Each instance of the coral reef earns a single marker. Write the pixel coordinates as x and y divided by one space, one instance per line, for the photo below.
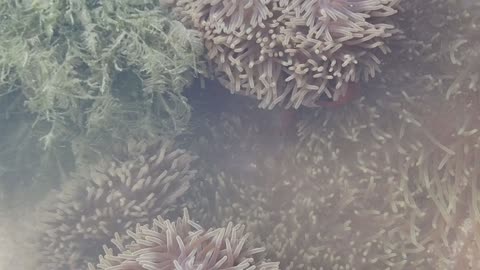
185 245
292 52
142 181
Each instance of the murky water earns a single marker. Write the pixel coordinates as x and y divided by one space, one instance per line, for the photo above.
118 113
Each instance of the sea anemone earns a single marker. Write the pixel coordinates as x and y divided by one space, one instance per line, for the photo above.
389 182
422 132
321 219
185 245
110 197
312 207
292 52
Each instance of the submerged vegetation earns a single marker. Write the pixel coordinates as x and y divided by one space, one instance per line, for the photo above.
389 181
76 76
97 70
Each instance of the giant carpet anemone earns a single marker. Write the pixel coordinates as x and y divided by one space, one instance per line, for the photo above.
292 53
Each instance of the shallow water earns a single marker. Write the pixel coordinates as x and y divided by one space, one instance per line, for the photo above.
388 180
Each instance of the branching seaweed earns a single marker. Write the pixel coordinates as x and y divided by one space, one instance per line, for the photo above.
77 76
100 69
